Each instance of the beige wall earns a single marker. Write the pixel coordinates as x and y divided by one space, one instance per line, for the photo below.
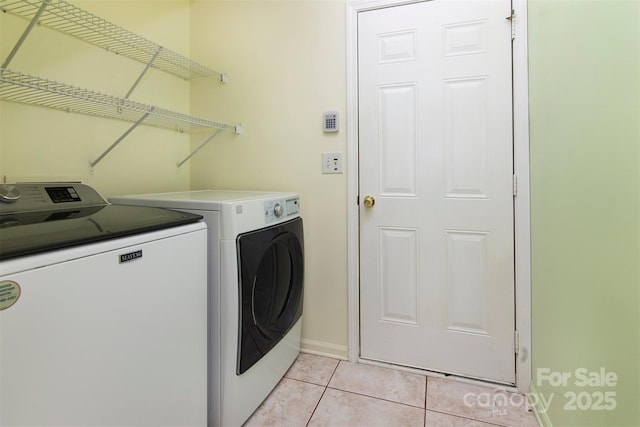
286 61
43 144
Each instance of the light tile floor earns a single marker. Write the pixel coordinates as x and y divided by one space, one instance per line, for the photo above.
320 391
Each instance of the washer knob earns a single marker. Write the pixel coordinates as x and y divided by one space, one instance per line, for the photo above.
277 210
9 193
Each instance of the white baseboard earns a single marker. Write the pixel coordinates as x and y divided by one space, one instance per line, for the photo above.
325 349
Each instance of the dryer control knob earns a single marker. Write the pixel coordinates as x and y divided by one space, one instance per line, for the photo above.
9 193
277 210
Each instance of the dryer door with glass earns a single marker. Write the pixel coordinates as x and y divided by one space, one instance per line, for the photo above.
271 270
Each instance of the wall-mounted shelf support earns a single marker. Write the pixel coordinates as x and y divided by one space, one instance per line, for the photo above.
206 141
124 135
238 129
146 68
25 34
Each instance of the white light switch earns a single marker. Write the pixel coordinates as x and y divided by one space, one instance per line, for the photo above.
331 162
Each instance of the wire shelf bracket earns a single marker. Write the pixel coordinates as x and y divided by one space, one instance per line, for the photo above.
146 68
238 130
25 34
206 141
123 136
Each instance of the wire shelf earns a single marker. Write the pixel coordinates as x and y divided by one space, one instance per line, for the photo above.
29 89
67 18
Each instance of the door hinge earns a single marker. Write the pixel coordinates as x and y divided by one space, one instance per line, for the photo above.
512 20
516 341
515 185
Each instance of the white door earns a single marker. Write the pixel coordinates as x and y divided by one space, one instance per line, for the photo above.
435 154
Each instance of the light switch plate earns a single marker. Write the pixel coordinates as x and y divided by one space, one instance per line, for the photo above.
331 163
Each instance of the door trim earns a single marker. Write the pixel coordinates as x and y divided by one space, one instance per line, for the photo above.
521 169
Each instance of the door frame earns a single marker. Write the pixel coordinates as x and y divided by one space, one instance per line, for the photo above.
521 170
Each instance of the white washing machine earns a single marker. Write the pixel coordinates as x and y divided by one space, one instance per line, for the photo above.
102 311
256 269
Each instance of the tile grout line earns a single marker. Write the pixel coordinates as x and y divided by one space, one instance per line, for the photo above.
466 417
454 414
323 393
458 415
426 389
316 407
376 398
370 396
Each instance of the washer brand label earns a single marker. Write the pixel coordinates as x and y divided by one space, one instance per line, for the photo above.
130 256
9 294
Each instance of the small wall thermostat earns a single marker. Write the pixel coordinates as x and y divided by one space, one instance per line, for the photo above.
330 123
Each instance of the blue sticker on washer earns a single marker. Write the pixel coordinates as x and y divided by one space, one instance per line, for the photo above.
9 294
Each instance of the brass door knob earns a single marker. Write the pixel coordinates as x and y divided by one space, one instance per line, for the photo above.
369 201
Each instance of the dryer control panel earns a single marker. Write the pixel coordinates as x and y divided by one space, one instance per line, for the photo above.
278 210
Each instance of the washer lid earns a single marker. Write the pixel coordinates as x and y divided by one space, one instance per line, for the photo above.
209 200
26 233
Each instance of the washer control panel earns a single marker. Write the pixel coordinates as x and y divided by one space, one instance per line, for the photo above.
9 193
32 197
278 210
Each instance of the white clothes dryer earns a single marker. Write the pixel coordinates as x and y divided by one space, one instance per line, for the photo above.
256 270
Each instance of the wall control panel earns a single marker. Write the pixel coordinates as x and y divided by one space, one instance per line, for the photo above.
330 121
